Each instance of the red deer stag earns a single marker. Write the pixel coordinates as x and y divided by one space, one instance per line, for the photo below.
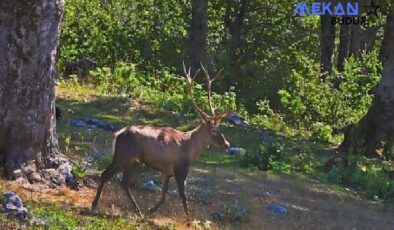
167 150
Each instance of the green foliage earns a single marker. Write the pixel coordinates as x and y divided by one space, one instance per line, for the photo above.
321 131
55 217
388 150
305 162
122 80
272 157
335 174
164 89
78 172
318 102
60 218
266 117
277 158
145 32
364 175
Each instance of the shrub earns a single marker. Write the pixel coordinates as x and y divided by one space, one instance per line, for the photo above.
305 162
338 100
122 79
163 89
364 175
388 150
233 213
78 172
321 131
273 157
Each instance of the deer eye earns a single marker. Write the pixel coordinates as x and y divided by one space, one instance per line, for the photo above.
214 131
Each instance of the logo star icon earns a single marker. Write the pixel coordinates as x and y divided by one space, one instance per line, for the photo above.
372 9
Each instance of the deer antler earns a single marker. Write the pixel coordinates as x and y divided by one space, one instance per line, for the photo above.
190 84
214 116
209 83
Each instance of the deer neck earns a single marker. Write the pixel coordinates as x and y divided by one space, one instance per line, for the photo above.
197 142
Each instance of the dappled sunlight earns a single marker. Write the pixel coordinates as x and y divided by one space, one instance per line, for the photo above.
308 202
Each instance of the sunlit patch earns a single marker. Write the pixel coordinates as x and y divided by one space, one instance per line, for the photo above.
201 170
297 207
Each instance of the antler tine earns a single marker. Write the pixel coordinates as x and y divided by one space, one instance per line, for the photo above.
190 88
209 83
217 74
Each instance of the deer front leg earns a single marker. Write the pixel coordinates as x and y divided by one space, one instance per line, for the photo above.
105 176
165 179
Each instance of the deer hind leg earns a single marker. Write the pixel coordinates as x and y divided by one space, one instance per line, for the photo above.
105 176
165 179
180 180
127 174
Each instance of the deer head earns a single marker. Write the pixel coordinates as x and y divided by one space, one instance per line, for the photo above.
210 122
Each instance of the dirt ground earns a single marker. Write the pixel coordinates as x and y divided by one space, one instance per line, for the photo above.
310 204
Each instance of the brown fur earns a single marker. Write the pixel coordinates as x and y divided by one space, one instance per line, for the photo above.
167 150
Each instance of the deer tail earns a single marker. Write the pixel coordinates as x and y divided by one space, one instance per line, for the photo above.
114 137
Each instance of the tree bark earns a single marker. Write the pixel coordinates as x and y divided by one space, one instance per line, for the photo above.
355 41
29 34
368 38
378 124
389 33
327 44
343 49
198 34
234 18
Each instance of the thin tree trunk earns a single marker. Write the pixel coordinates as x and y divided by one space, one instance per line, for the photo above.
355 41
198 34
29 34
343 49
378 124
327 44
368 38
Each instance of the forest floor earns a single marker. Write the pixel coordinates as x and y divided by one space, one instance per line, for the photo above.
214 181
311 205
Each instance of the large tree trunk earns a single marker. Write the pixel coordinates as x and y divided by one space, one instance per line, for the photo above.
389 34
29 35
378 124
327 44
198 34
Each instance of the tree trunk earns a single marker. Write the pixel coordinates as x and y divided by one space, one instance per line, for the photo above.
29 39
355 41
234 18
389 33
368 38
343 49
378 124
198 34
327 44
